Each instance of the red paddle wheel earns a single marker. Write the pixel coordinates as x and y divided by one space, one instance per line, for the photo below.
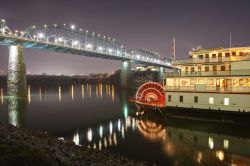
150 94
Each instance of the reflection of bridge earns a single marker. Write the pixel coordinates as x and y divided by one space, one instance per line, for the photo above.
60 38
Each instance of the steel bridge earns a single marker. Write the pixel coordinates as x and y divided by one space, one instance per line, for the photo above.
69 40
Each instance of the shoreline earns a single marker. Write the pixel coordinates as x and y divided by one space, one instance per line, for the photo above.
30 147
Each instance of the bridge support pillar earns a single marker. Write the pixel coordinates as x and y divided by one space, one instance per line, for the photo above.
16 80
160 74
125 74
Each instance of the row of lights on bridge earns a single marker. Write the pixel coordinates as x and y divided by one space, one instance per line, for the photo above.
77 43
73 27
90 46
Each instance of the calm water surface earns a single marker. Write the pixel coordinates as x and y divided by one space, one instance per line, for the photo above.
99 116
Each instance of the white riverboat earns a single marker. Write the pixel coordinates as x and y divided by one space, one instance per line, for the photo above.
212 79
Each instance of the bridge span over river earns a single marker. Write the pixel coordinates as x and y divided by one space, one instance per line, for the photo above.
69 40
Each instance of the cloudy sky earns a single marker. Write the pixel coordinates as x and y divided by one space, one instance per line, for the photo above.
148 24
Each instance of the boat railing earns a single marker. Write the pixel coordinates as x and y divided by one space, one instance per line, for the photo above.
212 60
226 89
243 72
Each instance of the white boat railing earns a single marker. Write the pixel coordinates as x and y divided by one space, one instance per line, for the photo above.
212 60
244 72
228 89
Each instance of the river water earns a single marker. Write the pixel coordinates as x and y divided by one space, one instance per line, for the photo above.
100 117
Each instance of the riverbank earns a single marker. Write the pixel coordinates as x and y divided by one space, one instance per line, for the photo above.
137 78
19 146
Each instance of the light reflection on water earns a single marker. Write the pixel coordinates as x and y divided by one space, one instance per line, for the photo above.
45 94
72 92
176 143
16 111
1 95
100 90
90 91
29 94
76 138
83 92
59 93
40 94
113 92
102 119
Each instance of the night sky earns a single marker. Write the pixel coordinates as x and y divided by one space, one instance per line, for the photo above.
148 24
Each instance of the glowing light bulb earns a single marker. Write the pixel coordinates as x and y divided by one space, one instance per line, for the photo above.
72 27
40 35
